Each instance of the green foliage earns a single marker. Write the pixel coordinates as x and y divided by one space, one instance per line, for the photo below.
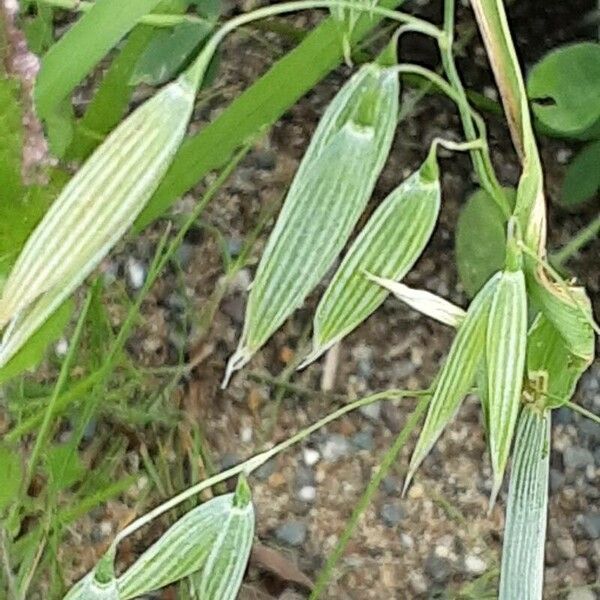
72 58
388 245
11 475
480 240
582 179
332 185
168 51
564 88
256 109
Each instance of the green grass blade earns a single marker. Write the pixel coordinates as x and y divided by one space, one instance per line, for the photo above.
180 551
506 341
328 194
222 576
68 61
256 109
457 374
389 245
522 571
93 212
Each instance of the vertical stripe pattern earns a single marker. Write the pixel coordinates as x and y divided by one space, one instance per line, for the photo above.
457 374
325 200
522 572
94 210
389 245
506 343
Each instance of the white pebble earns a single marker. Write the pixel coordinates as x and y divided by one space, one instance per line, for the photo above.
307 493
136 273
62 347
246 434
475 564
310 456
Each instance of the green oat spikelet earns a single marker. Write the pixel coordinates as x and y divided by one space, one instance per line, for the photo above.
505 353
456 375
389 245
327 196
93 211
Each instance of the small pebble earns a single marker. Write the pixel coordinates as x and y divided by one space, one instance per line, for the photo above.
363 440
392 513
265 471
291 533
581 594
308 493
591 525
310 456
136 273
576 457
336 446
475 564
62 347
246 435
371 411
566 547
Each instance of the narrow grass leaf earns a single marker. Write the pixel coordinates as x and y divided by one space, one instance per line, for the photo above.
505 350
522 571
222 575
92 212
456 375
328 194
389 244
182 549
429 304
68 61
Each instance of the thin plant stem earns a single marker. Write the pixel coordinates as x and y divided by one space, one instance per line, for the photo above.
481 158
4 551
196 72
386 464
584 412
253 463
584 237
62 378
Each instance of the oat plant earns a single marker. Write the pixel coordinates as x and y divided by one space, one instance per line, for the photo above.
521 344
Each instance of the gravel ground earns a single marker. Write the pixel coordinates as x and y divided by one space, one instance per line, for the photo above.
437 539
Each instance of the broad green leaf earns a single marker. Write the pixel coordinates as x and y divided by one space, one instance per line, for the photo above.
456 375
389 245
506 340
92 212
188 546
550 365
11 475
73 57
327 196
480 241
255 109
582 179
167 53
522 571
564 88
431 305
